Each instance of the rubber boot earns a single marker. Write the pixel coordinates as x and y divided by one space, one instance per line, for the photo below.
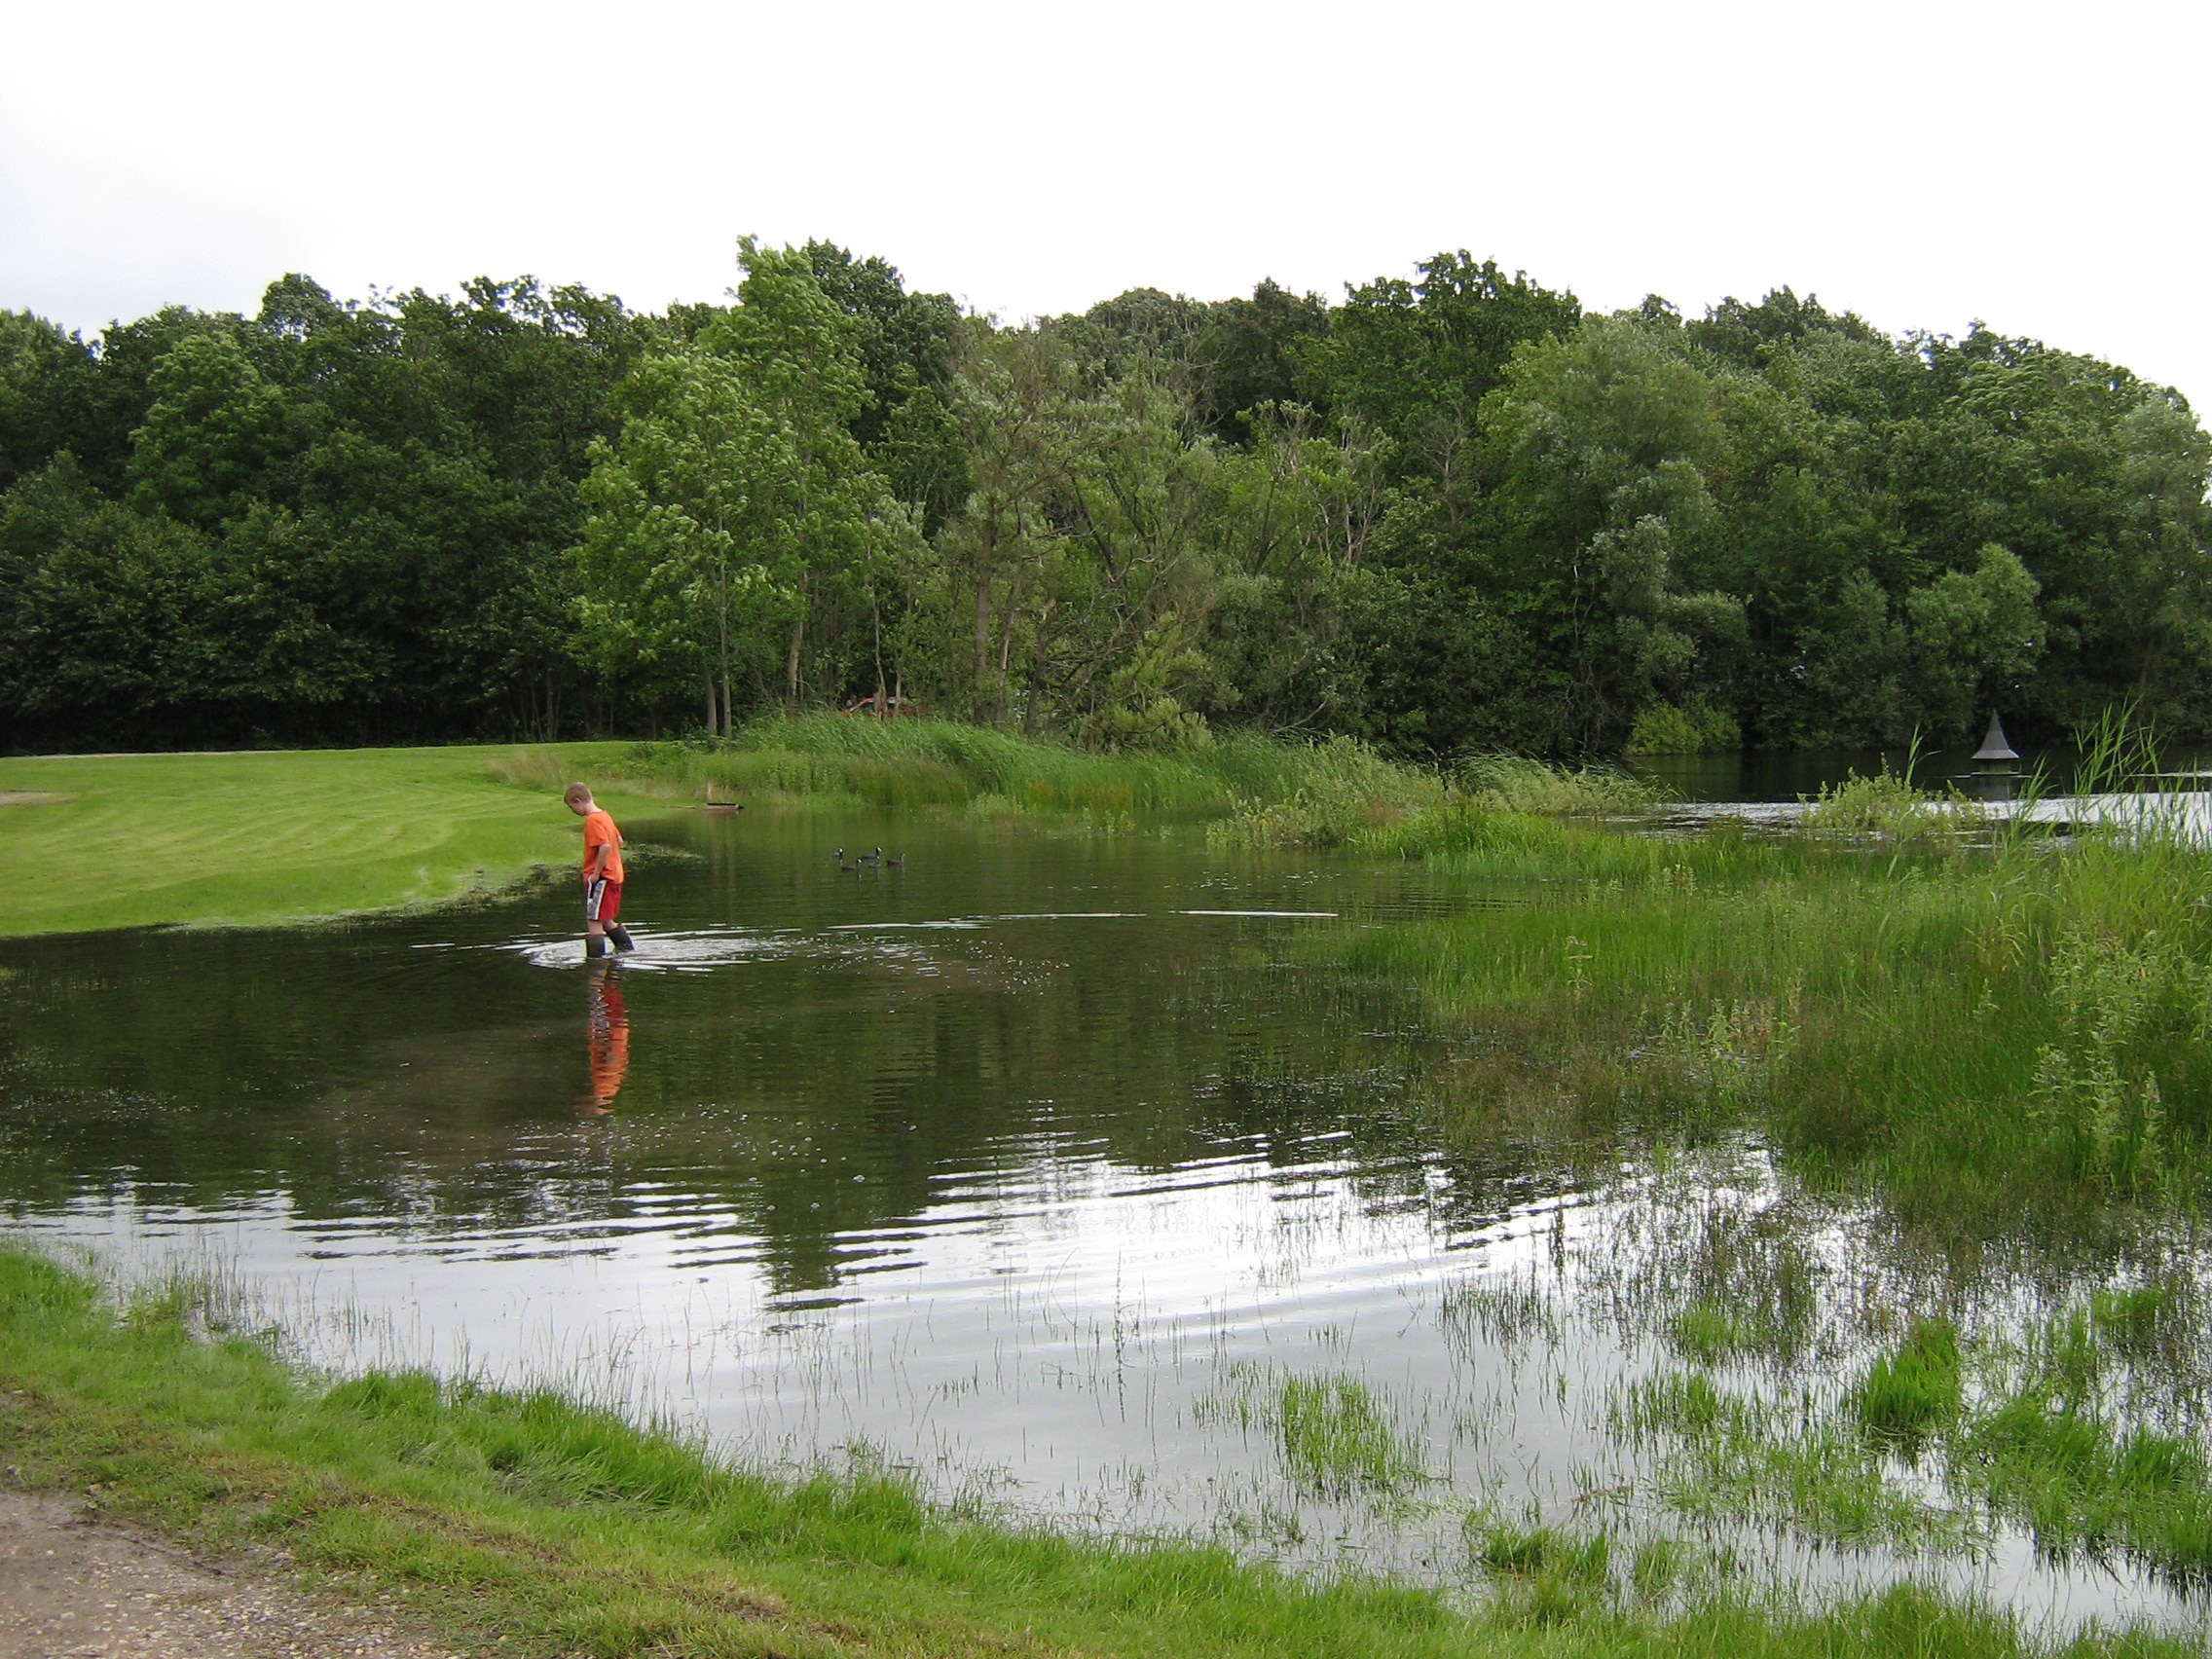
595 946
620 935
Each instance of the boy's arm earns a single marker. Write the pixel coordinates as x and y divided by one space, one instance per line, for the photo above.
599 860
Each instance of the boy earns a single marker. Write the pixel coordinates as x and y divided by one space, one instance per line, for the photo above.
603 875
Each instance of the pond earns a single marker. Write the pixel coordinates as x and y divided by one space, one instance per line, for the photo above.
1055 1170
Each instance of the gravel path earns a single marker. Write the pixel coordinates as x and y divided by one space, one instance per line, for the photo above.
73 1587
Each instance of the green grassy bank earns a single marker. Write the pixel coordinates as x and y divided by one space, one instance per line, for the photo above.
525 1524
261 839
133 840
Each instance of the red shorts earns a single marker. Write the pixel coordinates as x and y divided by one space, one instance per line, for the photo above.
603 900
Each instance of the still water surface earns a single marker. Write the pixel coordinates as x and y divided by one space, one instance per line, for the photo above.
1026 1168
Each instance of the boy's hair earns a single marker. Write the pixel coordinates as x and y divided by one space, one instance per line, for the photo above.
576 793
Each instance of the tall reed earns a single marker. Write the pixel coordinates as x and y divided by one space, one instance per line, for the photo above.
944 763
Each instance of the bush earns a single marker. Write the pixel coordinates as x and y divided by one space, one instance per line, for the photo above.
1686 728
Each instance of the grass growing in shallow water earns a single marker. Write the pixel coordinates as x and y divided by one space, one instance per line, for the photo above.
1908 1397
1974 1030
522 1522
1334 1435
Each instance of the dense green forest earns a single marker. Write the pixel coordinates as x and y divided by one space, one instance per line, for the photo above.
1450 514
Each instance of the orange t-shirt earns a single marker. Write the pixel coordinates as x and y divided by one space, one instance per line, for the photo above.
600 831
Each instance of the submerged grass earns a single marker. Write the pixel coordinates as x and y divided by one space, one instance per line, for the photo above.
2033 1437
522 1522
2052 1446
1726 1455
1334 1435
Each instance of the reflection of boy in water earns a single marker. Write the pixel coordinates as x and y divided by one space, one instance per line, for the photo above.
606 1039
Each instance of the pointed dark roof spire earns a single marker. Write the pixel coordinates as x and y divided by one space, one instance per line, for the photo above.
1996 746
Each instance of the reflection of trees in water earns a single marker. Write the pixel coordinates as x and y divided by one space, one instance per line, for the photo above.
793 1102
801 1100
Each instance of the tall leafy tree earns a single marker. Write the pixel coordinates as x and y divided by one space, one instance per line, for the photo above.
735 498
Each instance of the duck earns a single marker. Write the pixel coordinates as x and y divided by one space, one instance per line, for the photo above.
898 863
838 856
873 858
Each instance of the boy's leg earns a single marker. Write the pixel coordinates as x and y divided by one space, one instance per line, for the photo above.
595 929
609 917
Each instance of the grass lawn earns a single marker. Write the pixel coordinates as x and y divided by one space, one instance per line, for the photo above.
275 837
133 840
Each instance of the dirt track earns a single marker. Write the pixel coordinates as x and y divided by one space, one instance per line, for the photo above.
74 1586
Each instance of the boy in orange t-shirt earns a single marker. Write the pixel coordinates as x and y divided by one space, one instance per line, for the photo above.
603 875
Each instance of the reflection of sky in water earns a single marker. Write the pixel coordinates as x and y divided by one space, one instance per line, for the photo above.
1004 1168
1051 1337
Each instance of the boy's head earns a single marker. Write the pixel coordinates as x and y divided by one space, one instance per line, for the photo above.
578 797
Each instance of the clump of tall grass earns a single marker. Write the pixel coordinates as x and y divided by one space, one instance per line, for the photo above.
1910 1395
1345 788
1981 1031
1546 1575
2096 1089
947 763
1511 783
1334 1435
1358 800
1892 808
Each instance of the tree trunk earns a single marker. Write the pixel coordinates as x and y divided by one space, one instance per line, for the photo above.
875 617
708 676
983 611
1006 647
791 666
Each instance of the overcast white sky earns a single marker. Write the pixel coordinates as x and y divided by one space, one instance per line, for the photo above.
2041 166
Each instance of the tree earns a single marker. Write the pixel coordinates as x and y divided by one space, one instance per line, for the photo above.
1247 355
1598 445
1973 634
214 433
1416 359
46 377
734 494
677 550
